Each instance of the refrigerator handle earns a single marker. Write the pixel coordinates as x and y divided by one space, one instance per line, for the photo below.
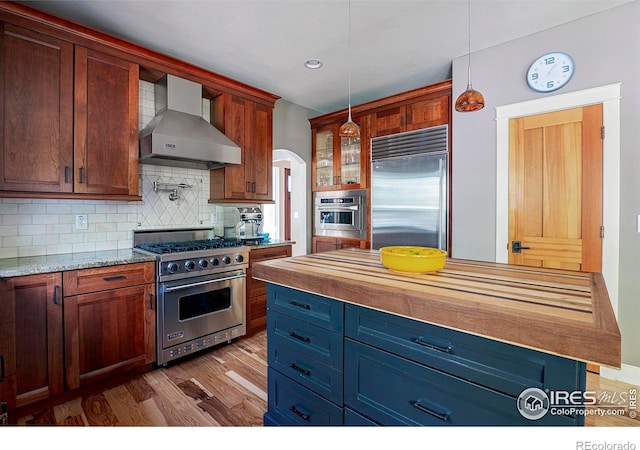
441 214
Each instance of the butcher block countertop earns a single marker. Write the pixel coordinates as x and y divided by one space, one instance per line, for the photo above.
560 312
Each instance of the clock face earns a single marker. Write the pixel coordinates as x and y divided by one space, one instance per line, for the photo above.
550 72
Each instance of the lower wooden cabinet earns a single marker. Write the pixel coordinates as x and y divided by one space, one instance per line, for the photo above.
257 290
109 321
328 243
31 348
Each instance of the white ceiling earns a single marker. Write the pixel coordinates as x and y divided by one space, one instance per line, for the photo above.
396 45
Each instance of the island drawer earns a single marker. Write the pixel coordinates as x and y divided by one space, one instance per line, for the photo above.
320 311
395 391
308 340
500 366
293 404
309 372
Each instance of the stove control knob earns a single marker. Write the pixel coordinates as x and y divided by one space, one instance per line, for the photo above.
239 258
226 259
215 261
203 263
189 265
172 267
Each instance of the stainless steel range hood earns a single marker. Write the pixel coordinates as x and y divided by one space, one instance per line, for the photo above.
178 136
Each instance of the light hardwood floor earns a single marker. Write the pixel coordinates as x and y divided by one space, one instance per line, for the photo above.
226 386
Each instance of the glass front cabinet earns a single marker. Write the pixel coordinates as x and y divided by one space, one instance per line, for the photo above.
338 163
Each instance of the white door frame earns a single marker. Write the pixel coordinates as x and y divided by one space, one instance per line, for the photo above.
609 96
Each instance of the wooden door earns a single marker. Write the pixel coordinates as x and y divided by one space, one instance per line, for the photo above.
236 121
555 189
36 112
31 338
106 124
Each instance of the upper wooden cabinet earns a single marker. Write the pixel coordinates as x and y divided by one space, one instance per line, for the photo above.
338 163
250 125
414 116
69 119
36 112
105 124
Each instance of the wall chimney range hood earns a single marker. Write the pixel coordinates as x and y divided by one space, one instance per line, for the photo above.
178 136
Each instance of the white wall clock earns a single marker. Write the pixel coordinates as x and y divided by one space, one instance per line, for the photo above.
550 72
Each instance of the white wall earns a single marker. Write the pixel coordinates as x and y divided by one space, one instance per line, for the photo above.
605 48
292 132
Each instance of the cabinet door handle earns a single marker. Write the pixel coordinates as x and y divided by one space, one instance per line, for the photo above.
67 173
299 305
293 334
151 301
299 413
114 278
55 294
448 348
300 369
248 186
81 171
444 416
2 368
253 187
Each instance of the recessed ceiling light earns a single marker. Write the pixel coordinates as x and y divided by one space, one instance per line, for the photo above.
313 64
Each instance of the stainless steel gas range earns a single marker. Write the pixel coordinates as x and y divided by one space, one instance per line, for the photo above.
201 289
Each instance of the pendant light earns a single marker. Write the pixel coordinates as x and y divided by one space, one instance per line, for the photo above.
349 129
469 100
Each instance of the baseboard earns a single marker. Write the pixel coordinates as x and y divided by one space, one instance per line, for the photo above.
626 374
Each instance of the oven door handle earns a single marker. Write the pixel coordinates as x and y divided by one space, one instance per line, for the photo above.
201 283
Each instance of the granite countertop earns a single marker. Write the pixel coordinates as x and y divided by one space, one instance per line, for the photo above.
271 243
29 265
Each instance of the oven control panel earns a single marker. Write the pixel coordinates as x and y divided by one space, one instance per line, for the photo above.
202 265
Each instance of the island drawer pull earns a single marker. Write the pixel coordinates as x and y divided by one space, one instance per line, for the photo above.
293 334
299 413
114 278
299 305
300 369
448 348
444 416
1 367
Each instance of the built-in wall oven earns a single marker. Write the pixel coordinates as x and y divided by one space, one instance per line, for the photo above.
201 290
340 213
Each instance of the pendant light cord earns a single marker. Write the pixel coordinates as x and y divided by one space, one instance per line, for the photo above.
349 28
469 53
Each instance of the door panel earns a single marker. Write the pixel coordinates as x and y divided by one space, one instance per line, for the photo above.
555 189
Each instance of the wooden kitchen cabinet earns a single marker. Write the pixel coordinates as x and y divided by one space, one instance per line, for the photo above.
250 125
109 321
256 310
328 243
338 163
105 124
69 120
31 339
413 116
36 112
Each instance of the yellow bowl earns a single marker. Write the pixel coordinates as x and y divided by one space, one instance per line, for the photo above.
407 258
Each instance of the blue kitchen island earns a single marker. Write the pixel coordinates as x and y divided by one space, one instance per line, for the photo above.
353 343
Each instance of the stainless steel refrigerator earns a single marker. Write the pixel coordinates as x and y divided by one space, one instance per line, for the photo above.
409 188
